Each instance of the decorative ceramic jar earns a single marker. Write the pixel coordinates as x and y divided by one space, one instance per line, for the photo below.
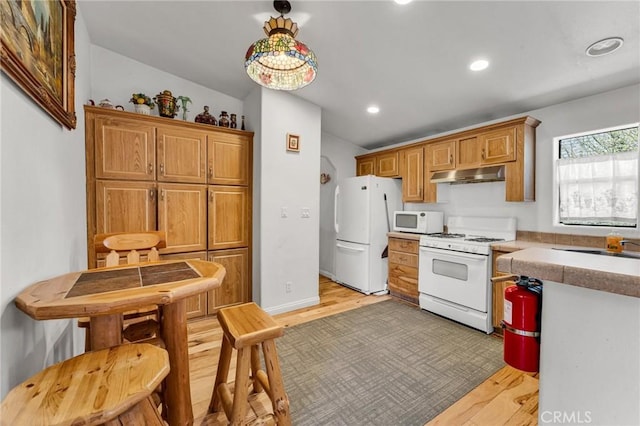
206 118
142 109
224 119
234 122
166 104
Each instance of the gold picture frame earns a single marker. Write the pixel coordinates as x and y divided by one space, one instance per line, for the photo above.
293 142
43 66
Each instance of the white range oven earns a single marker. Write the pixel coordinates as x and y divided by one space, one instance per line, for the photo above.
455 267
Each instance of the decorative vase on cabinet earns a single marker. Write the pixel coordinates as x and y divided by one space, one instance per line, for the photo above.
142 109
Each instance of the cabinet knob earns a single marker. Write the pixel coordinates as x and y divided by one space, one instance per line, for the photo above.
451 158
152 194
150 168
162 194
210 172
482 153
162 169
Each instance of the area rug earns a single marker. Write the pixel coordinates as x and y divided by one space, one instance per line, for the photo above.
383 364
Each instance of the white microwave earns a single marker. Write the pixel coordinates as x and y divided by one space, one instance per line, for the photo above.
419 222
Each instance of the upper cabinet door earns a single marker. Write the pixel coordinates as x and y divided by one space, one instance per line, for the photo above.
498 146
365 166
441 155
468 153
412 174
228 159
125 149
388 165
181 155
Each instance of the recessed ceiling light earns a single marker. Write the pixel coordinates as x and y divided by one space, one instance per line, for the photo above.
373 109
479 65
602 47
403 1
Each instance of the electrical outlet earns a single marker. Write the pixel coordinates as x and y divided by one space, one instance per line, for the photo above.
305 212
287 287
284 212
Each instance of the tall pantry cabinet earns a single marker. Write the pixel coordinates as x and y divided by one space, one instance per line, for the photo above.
190 180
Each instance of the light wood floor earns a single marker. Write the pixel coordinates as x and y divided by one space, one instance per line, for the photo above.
508 397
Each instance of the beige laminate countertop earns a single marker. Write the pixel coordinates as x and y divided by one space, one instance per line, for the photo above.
596 272
404 235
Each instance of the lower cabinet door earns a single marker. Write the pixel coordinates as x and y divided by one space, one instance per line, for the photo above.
235 286
196 305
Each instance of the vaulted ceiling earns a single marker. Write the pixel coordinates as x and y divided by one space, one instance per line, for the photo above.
412 61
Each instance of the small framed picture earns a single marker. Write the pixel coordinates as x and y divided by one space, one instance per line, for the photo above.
293 142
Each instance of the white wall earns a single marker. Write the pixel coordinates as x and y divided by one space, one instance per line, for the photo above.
43 234
117 77
608 109
337 155
289 245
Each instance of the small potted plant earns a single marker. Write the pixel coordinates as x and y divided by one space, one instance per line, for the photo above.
142 103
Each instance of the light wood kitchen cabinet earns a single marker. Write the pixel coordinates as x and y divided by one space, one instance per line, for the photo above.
124 206
403 268
509 143
228 213
498 293
498 146
387 165
181 155
468 153
412 172
441 155
235 287
365 166
191 180
124 149
196 305
182 215
228 159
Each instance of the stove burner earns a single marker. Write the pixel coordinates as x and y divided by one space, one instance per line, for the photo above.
484 239
446 235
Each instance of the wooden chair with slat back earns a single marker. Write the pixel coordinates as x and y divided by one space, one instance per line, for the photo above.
140 324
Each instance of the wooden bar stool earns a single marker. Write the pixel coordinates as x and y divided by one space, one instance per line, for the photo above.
111 387
245 328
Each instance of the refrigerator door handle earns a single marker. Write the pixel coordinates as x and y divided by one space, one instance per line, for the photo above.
335 209
349 248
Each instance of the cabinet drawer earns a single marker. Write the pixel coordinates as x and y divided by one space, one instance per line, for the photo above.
404 280
406 246
405 259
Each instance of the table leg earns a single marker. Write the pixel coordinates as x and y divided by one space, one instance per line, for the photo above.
106 331
173 326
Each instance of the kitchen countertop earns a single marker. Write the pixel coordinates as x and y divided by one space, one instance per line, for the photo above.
596 272
405 235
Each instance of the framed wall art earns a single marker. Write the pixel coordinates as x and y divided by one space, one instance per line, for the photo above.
293 142
38 53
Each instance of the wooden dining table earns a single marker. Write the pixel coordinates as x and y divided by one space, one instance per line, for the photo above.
103 294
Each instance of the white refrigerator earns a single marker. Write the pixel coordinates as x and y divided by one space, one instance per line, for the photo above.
364 206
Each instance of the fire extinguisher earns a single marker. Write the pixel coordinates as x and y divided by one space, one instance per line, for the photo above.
522 323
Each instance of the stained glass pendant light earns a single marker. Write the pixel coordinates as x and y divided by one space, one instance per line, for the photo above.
280 61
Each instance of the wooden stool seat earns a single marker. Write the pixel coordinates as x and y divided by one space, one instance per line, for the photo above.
247 327
110 386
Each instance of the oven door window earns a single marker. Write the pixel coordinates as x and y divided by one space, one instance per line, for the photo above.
459 271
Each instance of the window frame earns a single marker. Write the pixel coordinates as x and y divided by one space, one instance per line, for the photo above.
603 229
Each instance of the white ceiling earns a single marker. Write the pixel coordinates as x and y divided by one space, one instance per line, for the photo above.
410 60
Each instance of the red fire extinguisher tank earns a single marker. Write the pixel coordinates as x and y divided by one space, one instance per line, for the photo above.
521 324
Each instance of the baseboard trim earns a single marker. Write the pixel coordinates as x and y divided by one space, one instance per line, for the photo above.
327 274
292 306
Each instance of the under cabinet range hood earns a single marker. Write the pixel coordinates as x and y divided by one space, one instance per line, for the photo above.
484 174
